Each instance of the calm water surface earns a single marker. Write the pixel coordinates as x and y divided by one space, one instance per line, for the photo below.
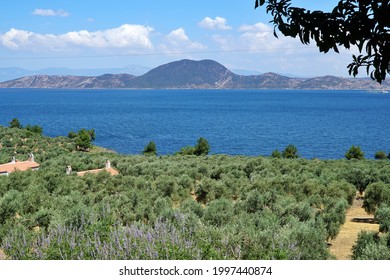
321 124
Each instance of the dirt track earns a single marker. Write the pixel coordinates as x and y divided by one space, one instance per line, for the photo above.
356 220
2 255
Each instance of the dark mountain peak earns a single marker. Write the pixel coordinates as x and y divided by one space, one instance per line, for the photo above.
187 65
186 74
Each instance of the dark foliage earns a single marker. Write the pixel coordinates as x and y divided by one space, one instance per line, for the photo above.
355 152
360 23
150 149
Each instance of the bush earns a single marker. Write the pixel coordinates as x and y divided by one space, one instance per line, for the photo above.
84 139
35 129
187 151
10 204
202 147
15 124
354 153
369 246
380 155
218 212
276 154
150 149
382 215
290 152
376 194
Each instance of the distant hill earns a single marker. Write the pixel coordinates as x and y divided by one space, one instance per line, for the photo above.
55 81
189 74
11 73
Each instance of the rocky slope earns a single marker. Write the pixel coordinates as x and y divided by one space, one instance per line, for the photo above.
189 74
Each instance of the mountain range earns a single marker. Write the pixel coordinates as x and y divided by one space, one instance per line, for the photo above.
190 74
11 73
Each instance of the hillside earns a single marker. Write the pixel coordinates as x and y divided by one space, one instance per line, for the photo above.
55 81
175 207
186 74
189 74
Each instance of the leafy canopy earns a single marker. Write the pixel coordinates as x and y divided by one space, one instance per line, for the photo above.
202 148
83 138
15 123
355 152
361 23
150 149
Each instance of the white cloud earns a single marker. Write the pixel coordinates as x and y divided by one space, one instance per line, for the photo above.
258 27
178 35
178 41
126 36
219 23
50 13
258 36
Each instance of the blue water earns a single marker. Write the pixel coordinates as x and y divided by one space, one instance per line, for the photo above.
322 124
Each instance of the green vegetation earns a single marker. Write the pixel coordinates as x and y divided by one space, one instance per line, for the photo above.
290 152
380 155
150 149
178 206
15 123
83 139
276 154
354 153
202 148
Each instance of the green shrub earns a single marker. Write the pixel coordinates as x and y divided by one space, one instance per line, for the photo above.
150 149
382 215
354 153
380 155
290 152
369 246
276 154
14 123
219 212
376 194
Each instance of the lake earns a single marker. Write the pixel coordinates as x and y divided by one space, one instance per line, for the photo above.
321 124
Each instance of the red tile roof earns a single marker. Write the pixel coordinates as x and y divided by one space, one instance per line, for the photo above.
18 165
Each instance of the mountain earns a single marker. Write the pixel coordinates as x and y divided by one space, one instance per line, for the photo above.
11 73
55 81
189 74
186 74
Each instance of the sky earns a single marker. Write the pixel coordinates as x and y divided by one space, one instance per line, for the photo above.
118 33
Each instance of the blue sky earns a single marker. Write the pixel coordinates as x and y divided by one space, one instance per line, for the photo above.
106 34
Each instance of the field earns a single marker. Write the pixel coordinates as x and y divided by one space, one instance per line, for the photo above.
183 207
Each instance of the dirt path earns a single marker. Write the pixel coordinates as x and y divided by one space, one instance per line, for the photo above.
2 255
356 220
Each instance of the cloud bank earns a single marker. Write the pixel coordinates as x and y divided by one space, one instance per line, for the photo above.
125 36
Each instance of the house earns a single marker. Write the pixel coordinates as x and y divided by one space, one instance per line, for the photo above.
107 168
15 165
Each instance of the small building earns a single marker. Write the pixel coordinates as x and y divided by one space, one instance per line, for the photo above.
15 165
108 168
